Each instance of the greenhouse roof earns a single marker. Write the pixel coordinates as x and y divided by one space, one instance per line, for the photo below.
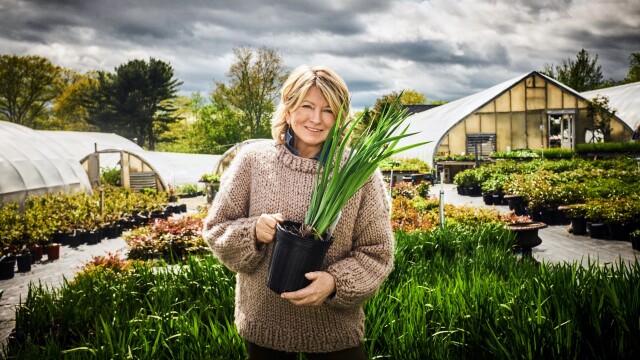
173 168
433 124
30 164
625 99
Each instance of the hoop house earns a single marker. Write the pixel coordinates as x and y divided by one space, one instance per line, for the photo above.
31 165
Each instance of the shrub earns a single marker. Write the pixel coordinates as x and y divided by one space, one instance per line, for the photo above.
398 164
172 239
110 176
404 189
609 148
188 189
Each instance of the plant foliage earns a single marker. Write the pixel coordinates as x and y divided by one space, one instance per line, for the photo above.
336 183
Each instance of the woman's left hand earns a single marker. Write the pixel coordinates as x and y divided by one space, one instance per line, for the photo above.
322 285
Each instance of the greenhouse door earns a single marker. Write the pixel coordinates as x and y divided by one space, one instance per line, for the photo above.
561 130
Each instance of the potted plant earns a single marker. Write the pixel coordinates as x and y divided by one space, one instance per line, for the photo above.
577 214
635 239
526 231
302 247
596 214
619 217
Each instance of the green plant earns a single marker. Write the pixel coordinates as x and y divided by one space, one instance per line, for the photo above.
423 188
401 164
515 154
461 158
188 189
110 176
466 178
609 147
210 178
12 228
494 184
555 153
405 189
337 180
577 211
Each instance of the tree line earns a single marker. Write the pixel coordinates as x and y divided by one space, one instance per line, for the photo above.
139 99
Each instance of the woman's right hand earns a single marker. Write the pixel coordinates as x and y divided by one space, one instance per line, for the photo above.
266 227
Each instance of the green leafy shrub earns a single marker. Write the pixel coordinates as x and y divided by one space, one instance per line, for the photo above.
188 189
556 153
172 239
210 178
461 158
515 154
609 148
110 176
398 164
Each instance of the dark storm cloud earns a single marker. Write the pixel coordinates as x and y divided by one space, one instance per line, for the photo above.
138 21
441 48
431 52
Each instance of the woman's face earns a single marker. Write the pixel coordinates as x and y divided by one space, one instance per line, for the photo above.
311 123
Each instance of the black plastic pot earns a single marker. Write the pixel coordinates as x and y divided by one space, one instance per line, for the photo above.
619 231
487 198
534 214
598 231
7 266
292 257
579 226
635 242
497 199
24 262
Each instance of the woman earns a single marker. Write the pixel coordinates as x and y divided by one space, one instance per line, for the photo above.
270 182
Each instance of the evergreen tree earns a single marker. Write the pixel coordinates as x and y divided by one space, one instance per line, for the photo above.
135 101
581 74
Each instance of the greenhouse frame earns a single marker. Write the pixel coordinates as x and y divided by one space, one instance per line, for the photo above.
530 111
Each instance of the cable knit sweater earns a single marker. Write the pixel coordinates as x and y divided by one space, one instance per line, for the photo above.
265 178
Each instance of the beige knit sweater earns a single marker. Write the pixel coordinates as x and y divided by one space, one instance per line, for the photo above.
267 178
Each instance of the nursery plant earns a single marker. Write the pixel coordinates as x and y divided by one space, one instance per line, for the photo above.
337 181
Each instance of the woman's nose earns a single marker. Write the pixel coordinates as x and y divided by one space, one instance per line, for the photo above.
316 117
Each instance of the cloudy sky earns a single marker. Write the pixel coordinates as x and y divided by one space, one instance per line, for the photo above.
445 49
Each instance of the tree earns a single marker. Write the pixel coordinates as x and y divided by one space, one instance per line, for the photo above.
205 127
135 101
68 111
254 80
27 86
601 113
634 68
581 75
371 116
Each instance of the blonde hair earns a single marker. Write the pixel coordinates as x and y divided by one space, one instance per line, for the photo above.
293 91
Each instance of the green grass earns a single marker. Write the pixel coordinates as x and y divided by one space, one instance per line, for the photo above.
456 293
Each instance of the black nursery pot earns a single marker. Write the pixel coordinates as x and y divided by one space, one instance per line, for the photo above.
292 257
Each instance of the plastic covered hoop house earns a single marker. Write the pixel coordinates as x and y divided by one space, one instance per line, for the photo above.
30 164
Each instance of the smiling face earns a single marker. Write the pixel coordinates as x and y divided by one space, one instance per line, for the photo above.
310 123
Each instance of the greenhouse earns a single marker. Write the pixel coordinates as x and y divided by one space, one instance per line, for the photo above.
30 164
625 99
98 151
531 111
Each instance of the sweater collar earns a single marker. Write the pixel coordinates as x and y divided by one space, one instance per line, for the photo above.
294 162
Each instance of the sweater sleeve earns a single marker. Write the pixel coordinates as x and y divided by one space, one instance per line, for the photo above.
228 229
370 261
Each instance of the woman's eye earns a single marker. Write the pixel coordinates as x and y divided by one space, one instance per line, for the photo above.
307 106
328 111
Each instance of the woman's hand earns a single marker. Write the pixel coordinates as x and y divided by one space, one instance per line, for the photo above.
266 227
322 285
